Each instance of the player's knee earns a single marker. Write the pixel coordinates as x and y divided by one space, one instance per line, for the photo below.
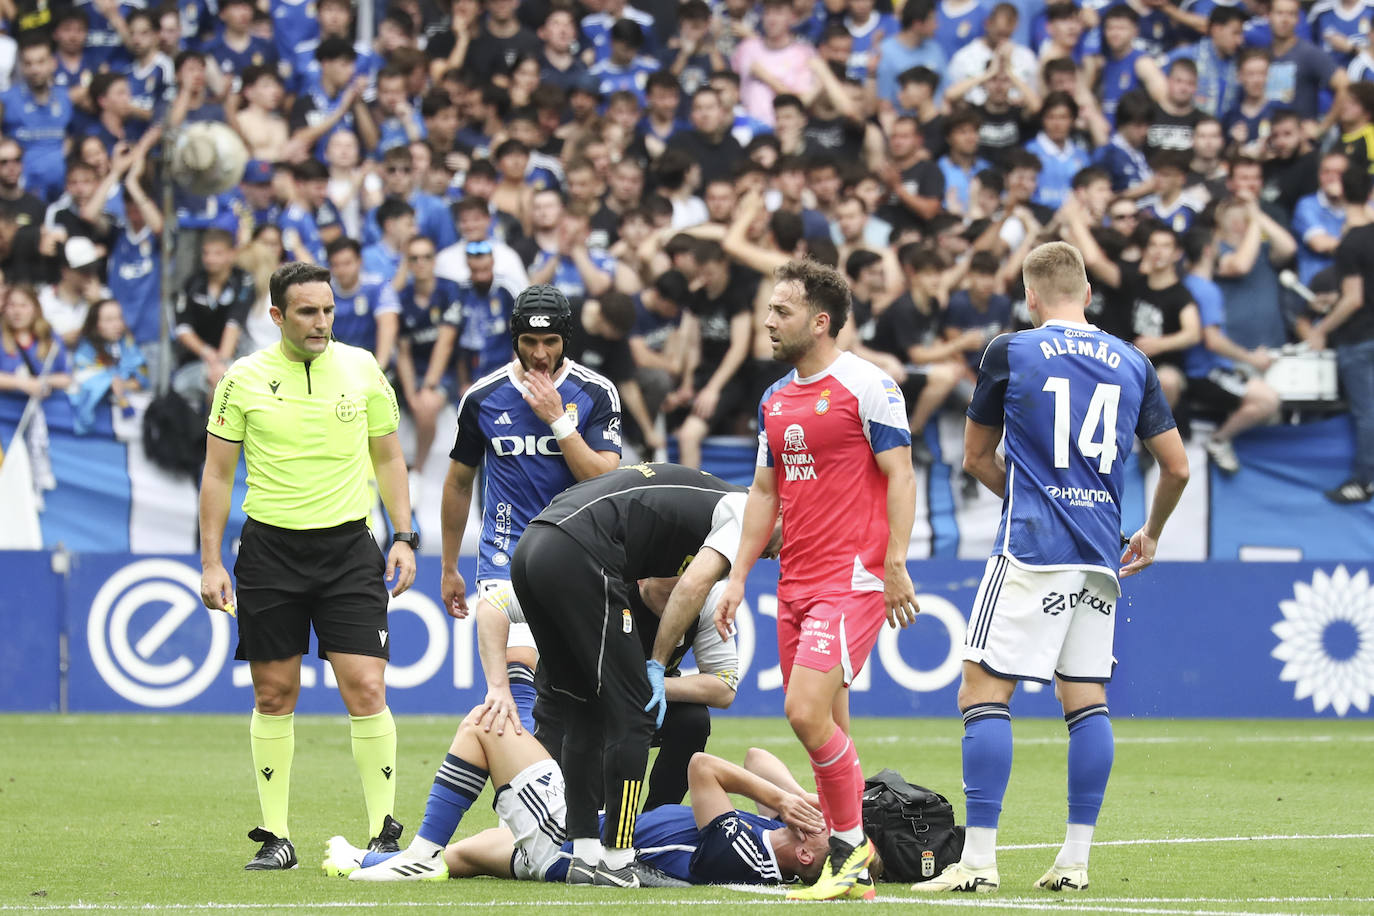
274 699
366 695
809 720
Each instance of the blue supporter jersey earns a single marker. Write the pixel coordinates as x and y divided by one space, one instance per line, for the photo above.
214 212
293 22
1316 213
596 29
1058 166
866 37
1071 398
355 312
632 78
1178 216
1257 126
392 132
298 225
956 24
135 281
483 319
567 277
41 129
423 316
1331 17
380 260
1124 163
1118 78
524 467
732 849
104 47
154 86
259 52
1211 310
432 220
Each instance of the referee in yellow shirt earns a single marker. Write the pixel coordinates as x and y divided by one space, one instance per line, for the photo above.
309 414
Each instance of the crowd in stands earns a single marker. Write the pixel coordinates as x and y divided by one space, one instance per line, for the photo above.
656 161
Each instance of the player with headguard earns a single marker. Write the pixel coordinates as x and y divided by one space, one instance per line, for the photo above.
835 457
538 425
1070 399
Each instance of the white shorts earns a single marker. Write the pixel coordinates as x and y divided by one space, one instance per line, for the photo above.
1030 624
501 595
532 807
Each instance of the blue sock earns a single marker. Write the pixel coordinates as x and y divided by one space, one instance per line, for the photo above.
456 787
987 761
521 678
1091 749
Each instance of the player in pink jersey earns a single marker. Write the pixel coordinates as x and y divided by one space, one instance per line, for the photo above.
835 457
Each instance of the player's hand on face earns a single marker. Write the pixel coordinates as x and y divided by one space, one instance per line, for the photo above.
400 568
216 589
729 602
453 591
900 597
543 396
498 708
1139 553
797 812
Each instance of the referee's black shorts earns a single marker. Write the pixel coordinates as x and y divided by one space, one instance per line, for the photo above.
330 578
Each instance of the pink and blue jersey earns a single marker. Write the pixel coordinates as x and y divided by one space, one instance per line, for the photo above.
821 435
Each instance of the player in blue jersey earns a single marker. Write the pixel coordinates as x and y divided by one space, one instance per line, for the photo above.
536 426
709 842
1071 399
366 313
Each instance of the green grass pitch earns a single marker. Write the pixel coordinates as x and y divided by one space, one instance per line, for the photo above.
149 814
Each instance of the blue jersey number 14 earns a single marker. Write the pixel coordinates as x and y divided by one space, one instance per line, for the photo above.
1101 413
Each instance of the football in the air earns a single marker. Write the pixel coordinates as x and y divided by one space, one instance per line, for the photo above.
208 158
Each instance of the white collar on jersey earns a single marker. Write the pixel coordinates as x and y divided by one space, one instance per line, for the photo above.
520 386
1062 323
823 373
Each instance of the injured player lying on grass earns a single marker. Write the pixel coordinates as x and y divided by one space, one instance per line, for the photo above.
708 842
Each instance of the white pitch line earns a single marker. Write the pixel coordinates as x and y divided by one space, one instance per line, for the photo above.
1206 839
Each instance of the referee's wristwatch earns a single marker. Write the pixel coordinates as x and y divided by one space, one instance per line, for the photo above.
407 537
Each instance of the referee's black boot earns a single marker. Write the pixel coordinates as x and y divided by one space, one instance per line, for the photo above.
276 854
389 839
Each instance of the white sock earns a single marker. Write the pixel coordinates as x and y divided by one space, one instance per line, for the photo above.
588 849
980 847
1078 841
853 836
422 848
613 857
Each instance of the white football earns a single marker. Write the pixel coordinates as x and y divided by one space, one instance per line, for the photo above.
208 158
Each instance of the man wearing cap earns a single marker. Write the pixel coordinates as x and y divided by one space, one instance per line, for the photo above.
65 302
537 425
259 198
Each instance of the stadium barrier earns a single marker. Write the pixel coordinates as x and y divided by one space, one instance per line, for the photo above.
125 633
107 496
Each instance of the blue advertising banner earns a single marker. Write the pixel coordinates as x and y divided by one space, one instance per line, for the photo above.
1218 639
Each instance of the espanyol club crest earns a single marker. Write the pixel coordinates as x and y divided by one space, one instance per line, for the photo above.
823 405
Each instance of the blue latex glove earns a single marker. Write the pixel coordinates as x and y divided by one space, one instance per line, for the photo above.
655 671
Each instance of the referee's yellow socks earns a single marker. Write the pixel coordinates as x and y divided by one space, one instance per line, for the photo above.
274 744
374 751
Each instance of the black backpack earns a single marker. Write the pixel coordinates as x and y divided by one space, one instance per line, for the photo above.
912 827
174 435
